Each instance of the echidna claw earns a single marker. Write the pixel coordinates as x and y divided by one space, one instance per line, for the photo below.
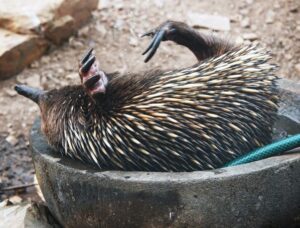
149 33
157 38
87 56
89 83
151 44
87 65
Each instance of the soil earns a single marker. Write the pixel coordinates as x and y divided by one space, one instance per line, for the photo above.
114 34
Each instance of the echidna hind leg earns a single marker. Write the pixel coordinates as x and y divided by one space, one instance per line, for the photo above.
203 46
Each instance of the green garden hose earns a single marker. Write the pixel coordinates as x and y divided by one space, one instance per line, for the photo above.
268 151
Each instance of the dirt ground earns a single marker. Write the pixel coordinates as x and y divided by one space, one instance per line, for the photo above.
114 34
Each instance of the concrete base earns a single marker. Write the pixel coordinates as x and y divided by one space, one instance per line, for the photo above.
258 194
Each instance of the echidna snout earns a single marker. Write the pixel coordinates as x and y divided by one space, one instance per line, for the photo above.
33 94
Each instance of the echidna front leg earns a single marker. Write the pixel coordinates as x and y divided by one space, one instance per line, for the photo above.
92 78
203 46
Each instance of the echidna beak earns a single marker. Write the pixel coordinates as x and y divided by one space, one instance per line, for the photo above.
33 94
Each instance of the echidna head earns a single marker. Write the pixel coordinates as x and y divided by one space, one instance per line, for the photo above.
48 102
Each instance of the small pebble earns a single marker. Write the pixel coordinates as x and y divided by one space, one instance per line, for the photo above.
250 36
12 140
297 68
270 17
288 56
15 199
245 23
133 41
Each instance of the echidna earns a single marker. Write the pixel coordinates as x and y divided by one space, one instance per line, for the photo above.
195 118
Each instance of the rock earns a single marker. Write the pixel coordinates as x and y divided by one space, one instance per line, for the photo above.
244 11
27 23
119 5
250 36
60 30
133 41
15 199
101 29
288 56
12 140
253 27
23 16
209 21
18 51
27 215
5 203
245 23
68 66
75 43
119 24
84 32
294 9
3 112
13 216
239 40
276 5
35 64
297 68
270 17
10 92
236 18
80 10
72 76
60 71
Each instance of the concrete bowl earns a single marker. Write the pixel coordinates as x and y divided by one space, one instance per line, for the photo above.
258 194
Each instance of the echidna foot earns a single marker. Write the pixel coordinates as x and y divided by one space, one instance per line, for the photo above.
92 78
163 32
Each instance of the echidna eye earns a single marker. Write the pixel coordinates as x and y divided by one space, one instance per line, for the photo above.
47 97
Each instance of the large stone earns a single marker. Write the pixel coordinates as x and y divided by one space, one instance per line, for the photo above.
18 51
250 36
24 25
80 10
60 30
25 16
